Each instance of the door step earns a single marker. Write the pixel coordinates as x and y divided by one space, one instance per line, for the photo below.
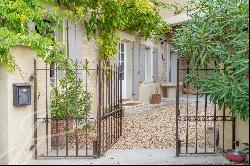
129 104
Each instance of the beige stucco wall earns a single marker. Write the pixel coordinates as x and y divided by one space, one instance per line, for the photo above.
3 116
18 128
146 90
241 131
164 12
91 53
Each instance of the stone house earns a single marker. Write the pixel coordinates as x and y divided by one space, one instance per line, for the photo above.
147 67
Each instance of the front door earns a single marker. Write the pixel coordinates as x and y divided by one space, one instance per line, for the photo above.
122 62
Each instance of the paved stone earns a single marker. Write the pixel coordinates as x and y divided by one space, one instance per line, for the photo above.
139 157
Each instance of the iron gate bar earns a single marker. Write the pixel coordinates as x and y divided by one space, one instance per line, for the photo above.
233 131
111 104
223 128
67 105
177 111
76 87
86 116
56 112
111 116
106 106
67 60
99 110
121 112
205 117
214 123
194 69
46 98
187 113
103 87
117 99
116 108
110 107
196 112
69 69
35 108
199 118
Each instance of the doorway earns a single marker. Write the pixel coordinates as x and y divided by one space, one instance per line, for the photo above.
122 62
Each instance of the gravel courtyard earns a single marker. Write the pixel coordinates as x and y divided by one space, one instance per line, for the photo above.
155 128
149 138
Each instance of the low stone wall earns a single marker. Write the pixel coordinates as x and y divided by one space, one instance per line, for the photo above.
146 91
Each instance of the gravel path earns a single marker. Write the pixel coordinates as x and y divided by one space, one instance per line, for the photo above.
155 129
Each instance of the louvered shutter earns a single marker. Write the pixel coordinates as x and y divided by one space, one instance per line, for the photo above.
79 44
155 64
75 42
136 74
72 40
142 62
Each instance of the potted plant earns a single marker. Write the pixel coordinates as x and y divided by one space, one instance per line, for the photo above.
236 155
65 113
156 97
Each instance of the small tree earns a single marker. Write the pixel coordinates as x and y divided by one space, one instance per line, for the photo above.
219 31
79 101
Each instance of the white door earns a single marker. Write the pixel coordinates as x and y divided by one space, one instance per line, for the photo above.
173 66
122 62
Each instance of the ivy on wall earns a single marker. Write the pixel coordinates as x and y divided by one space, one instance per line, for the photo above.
102 20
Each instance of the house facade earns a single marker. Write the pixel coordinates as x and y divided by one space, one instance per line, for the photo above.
148 67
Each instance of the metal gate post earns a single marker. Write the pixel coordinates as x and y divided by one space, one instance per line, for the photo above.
177 110
35 109
99 70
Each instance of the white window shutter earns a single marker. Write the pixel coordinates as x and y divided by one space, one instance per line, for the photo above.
136 72
79 44
142 62
72 41
75 42
155 64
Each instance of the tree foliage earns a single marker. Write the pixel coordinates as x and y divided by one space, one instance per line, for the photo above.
219 31
102 19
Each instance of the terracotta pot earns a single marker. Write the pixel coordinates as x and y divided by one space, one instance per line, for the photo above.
235 156
156 99
60 132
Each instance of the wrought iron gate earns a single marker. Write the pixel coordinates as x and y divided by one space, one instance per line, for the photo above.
200 127
77 111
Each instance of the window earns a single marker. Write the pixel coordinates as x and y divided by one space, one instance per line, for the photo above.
121 57
148 65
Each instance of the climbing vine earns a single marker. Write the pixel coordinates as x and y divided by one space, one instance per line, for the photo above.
102 20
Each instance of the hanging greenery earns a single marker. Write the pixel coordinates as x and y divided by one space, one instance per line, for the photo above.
102 19
219 31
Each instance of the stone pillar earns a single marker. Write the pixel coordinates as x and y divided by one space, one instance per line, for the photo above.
17 123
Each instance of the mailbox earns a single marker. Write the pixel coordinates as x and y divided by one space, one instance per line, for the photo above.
21 94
